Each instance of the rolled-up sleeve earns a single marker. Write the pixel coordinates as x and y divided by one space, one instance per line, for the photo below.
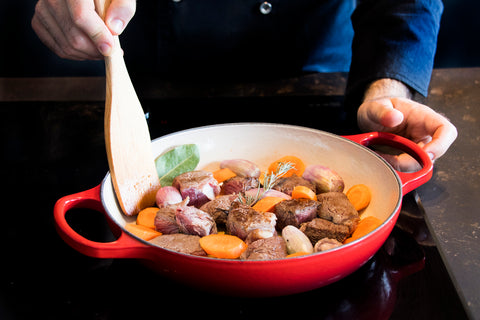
393 39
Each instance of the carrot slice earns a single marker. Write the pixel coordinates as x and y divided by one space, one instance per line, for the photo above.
302 192
223 246
360 196
146 217
365 226
142 232
297 254
299 166
223 174
267 204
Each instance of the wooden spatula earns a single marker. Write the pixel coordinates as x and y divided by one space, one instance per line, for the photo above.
127 139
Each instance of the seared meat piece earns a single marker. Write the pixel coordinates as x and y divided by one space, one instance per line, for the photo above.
266 249
242 219
336 207
295 212
287 184
319 228
326 244
165 221
199 186
258 234
195 221
239 184
219 208
183 243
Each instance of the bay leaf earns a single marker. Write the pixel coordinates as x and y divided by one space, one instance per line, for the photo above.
179 160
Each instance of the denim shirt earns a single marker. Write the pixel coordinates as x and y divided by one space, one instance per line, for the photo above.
236 39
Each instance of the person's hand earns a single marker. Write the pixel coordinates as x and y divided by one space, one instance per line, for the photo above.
387 107
73 29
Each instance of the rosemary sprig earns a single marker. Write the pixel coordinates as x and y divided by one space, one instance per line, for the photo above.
268 183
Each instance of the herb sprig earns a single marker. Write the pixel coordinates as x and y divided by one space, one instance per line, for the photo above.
268 183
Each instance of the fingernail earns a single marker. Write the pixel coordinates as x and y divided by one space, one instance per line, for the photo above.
104 48
116 26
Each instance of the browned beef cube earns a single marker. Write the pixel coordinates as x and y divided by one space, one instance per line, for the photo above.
242 219
165 221
287 184
266 249
199 186
319 228
238 184
183 243
295 212
336 207
195 221
219 207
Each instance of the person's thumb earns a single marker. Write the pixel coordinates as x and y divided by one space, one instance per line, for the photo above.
374 114
119 14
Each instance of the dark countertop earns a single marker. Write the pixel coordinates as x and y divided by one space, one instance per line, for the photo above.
54 147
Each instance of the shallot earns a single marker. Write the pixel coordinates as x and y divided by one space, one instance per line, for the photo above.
241 167
296 240
324 178
168 195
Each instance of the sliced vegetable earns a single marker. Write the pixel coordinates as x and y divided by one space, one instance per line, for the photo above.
297 254
296 240
360 196
167 195
179 160
241 167
302 192
146 217
267 204
298 166
365 226
324 178
142 232
223 174
223 246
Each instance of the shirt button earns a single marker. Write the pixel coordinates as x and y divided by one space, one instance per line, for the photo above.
265 7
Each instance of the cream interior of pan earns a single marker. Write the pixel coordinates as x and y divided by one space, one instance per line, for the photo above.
265 143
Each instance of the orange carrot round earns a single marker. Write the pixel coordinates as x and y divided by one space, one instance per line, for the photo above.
223 174
223 246
142 232
302 192
267 204
365 226
146 217
299 166
360 196
297 254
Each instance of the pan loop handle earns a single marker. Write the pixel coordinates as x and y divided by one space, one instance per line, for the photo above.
410 180
123 247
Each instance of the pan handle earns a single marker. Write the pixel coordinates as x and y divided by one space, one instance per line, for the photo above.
410 180
123 247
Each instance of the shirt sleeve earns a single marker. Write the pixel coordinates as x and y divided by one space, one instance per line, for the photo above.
393 39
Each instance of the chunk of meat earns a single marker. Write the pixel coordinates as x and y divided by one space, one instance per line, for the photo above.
319 228
242 219
194 221
165 221
336 207
266 249
295 212
199 186
183 243
287 184
326 244
239 184
219 207
258 234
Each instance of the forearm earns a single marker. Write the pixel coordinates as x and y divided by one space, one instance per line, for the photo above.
387 88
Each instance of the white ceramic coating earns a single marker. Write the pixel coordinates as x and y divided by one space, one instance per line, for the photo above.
264 143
